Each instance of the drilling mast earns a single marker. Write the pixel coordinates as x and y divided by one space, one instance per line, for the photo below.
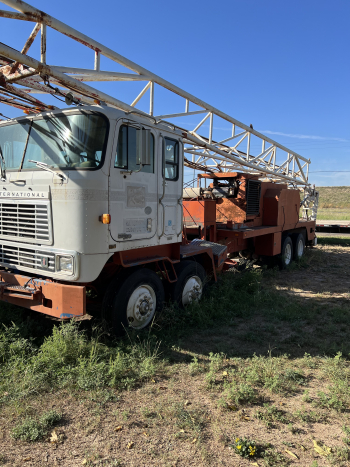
202 152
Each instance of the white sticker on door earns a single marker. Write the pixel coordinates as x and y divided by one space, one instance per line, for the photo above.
135 226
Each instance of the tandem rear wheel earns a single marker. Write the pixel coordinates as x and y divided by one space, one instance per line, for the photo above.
190 283
293 248
286 252
133 301
298 246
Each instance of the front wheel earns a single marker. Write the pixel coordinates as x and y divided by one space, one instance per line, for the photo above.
133 301
286 252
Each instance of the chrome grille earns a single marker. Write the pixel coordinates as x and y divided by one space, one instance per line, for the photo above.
26 257
29 222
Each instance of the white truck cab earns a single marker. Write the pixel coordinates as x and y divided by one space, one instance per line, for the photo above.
62 170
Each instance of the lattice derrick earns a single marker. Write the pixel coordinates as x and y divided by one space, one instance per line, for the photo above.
195 166
230 154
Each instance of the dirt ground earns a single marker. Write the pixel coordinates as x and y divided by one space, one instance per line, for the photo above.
175 419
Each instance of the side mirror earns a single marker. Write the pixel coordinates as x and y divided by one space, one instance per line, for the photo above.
145 147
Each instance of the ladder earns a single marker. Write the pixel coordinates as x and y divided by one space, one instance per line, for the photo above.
244 150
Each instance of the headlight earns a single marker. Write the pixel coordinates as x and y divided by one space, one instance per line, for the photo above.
65 263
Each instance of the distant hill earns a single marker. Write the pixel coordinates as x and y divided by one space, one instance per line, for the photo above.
334 202
334 197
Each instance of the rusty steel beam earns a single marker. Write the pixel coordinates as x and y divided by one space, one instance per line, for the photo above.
17 92
64 79
19 76
27 45
34 83
16 15
43 43
11 102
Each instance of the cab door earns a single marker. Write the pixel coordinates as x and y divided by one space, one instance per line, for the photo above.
133 189
170 188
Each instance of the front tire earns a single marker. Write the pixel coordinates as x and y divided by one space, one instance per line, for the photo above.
133 301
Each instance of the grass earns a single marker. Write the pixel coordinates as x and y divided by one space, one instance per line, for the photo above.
332 197
274 348
271 415
31 429
334 203
341 241
310 416
190 420
69 358
273 458
333 214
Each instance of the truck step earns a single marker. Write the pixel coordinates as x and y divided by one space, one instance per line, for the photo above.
12 290
216 248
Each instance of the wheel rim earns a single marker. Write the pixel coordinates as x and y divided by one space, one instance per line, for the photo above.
141 307
287 254
192 290
300 248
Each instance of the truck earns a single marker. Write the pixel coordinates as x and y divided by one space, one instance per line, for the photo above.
103 203
333 226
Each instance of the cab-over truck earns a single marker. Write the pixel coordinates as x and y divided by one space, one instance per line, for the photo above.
93 201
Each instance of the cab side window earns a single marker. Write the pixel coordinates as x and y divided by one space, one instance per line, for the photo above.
128 155
171 159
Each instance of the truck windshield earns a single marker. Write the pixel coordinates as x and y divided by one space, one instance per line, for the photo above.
60 141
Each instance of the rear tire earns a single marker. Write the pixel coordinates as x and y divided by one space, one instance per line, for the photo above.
299 246
190 283
286 252
133 301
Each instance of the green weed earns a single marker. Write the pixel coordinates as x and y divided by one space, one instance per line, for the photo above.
34 430
272 374
273 458
311 416
239 394
293 429
68 358
191 420
270 415
245 447
194 367
346 430
306 396
339 456
330 400
338 395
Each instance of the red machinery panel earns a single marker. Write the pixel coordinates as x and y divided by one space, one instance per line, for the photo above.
281 207
201 215
268 245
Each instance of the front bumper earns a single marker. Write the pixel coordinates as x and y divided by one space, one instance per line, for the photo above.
46 296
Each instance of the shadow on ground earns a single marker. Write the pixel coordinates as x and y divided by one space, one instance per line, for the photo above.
304 309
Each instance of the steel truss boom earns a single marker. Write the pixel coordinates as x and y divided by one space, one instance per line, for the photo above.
238 152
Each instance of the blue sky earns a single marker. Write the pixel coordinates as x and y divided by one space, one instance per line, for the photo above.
281 65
